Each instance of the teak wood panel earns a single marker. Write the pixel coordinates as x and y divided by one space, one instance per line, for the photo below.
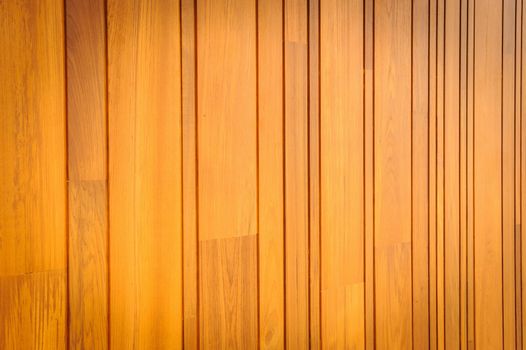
262 174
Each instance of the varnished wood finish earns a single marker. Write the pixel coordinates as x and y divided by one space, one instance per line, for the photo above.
144 106
87 169
33 197
243 174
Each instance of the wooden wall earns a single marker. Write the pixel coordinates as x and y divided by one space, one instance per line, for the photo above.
240 174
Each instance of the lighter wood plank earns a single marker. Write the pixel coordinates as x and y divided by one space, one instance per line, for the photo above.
470 178
508 173
433 71
227 173
393 174
440 174
314 175
518 177
87 169
342 183
452 175
32 140
270 136
145 174
296 176
190 234
463 176
369 171
487 175
420 168
32 176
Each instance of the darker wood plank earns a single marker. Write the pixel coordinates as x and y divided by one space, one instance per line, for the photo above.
87 170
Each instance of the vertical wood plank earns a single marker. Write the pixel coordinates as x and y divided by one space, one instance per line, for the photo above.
463 175
470 177
341 114
227 173
433 102
487 175
420 166
270 136
189 177
296 175
33 176
522 167
87 169
452 174
314 175
393 174
508 173
369 173
145 174
518 180
440 173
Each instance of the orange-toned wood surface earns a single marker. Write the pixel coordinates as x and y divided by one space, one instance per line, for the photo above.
275 174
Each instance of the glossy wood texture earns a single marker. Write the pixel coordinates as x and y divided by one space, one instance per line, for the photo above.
243 174
33 210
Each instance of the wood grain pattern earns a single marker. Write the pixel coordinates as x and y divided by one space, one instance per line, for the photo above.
369 173
145 174
452 175
32 176
432 173
342 182
420 166
227 173
296 175
508 174
87 170
270 138
392 94
487 175
314 176
190 212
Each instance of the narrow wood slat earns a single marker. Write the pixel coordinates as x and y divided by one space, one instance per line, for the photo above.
452 174
189 177
87 169
463 175
420 166
432 134
227 173
270 136
296 175
470 177
487 175
508 173
342 183
440 174
314 176
144 81
392 142
368 173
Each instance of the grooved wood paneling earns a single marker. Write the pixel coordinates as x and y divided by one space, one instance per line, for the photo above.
300 174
